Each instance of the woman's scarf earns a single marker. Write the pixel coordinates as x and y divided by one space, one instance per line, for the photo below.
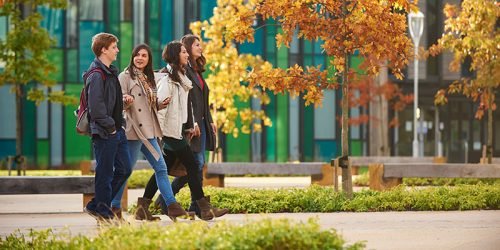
149 90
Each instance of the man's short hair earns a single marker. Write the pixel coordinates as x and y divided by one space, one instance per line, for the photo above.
102 40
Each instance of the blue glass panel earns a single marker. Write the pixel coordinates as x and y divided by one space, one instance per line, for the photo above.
53 21
56 130
87 30
256 48
325 150
324 117
207 10
3 27
8 124
166 31
42 123
7 147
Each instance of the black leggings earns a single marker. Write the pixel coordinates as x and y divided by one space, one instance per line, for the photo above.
186 156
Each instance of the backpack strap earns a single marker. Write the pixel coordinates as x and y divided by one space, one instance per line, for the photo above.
88 74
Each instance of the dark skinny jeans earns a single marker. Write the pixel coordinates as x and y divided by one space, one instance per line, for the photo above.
186 156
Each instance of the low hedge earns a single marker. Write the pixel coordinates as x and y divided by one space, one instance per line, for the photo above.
325 199
262 234
363 180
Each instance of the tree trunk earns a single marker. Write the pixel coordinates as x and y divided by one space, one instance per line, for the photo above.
346 172
378 125
489 147
19 96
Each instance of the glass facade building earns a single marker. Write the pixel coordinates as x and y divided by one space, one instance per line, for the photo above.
298 133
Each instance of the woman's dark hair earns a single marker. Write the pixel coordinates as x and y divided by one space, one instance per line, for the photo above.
171 56
148 70
199 63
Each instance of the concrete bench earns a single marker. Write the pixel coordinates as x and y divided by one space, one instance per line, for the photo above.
321 173
48 185
385 176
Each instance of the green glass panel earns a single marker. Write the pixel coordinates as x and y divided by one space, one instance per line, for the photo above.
76 147
308 47
308 133
271 43
330 68
126 42
72 66
356 147
238 149
157 60
56 58
113 15
29 127
270 143
282 113
154 24
355 62
42 154
166 17
282 128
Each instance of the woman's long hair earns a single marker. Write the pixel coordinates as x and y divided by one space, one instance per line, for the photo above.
171 56
199 63
148 70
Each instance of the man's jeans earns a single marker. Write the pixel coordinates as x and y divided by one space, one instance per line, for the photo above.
160 168
113 167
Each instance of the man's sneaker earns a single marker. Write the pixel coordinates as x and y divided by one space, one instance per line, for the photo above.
92 213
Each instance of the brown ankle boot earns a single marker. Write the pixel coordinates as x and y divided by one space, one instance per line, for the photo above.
218 212
117 212
175 210
208 212
142 212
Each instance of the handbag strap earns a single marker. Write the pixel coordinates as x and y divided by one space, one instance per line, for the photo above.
145 141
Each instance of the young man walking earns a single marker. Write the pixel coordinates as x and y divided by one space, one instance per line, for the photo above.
105 103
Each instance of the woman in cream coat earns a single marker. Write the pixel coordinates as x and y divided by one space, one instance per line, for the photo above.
143 129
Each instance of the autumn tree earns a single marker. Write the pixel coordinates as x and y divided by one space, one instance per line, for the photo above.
376 30
22 53
472 31
227 71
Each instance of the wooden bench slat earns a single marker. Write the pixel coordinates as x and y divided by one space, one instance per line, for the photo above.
234 168
366 160
447 170
47 185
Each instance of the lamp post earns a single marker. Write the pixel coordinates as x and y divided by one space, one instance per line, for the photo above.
416 25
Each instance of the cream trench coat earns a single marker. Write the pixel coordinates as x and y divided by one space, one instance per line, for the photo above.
139 111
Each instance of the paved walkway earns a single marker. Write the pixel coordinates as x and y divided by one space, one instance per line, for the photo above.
384 230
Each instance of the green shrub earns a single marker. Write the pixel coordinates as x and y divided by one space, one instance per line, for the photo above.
363 180
325 199
262 234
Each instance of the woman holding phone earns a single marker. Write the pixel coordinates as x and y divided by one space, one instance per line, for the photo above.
141 107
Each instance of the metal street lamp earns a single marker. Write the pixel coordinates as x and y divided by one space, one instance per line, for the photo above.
416 25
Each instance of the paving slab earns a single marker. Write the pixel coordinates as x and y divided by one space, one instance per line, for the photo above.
380 230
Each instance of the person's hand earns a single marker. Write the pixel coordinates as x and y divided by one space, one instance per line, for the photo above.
190 133
128 99
214 127
196 131
164 103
